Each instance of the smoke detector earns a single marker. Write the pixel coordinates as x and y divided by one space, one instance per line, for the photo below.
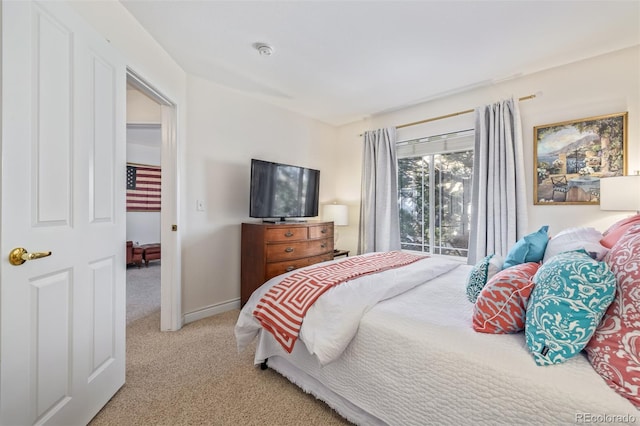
263 49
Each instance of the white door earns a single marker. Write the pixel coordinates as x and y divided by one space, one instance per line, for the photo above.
62 330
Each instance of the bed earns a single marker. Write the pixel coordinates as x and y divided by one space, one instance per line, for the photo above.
414 359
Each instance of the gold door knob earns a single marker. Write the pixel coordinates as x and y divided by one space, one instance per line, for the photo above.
20 255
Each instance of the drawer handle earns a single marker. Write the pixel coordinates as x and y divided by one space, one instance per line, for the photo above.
289 234
323 231
323 245
288 249
290 268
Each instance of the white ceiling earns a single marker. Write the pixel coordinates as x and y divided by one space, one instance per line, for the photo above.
341 61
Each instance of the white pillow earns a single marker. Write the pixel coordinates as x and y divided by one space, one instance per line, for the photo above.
575 239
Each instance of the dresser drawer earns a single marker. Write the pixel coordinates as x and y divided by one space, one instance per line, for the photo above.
277 268
320 231
298 249
324 245
285 234
321 258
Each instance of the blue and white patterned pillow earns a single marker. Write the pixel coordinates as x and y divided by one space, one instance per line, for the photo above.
572 292
481 273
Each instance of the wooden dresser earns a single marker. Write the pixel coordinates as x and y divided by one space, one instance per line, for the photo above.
270 249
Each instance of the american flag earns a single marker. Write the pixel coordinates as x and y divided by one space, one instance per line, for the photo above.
143 188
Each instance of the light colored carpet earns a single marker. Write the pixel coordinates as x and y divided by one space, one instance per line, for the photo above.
195 376
143 290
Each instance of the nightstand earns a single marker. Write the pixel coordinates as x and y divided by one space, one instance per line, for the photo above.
337 253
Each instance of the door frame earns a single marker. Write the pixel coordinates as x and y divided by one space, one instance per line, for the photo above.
170 267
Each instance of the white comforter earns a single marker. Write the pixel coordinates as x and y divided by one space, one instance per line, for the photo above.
416 360
333 320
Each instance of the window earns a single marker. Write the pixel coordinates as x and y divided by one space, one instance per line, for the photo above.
434 199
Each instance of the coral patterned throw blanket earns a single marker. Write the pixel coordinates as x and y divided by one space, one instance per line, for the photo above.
281 310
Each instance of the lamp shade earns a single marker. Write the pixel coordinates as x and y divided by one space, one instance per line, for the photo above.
620 193
336 213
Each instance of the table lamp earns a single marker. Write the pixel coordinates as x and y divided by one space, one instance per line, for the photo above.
620 193
339 215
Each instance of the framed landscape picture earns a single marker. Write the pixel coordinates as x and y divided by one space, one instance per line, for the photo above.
571 157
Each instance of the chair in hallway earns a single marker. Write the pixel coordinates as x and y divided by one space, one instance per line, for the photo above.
134 254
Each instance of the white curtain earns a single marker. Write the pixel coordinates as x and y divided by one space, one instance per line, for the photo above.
379 217
499 210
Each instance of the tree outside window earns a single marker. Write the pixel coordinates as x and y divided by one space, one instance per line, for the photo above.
435 202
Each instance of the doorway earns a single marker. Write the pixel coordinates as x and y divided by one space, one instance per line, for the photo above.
144 184
154 115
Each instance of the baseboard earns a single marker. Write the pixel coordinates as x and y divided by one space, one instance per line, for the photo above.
211 310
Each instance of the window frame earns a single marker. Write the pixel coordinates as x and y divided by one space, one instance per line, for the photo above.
407 149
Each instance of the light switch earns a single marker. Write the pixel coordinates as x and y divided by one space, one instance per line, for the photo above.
200 205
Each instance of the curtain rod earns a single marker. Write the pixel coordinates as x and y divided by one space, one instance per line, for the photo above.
453 114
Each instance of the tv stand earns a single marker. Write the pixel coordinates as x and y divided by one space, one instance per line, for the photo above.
283 220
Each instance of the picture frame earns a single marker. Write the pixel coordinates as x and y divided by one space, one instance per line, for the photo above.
570 157
144 187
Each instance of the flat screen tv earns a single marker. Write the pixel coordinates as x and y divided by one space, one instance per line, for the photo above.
282 191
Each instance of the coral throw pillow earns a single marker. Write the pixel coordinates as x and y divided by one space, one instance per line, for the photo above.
618 229
614 350
502 303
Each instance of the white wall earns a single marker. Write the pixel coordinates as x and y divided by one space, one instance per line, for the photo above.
226 130
141 109
603 85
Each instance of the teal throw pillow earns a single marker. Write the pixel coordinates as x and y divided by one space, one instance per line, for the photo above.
482 272
530 248
571 294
